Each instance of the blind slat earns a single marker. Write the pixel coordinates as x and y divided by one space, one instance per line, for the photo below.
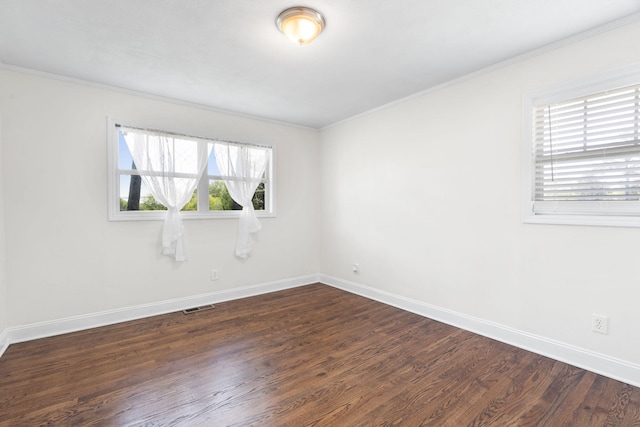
590 117
579 110
612 152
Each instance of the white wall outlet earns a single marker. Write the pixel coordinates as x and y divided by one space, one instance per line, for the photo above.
214 275
355 268
599 323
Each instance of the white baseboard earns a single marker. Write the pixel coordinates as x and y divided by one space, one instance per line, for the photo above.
4 341
601 364
595 362
34 331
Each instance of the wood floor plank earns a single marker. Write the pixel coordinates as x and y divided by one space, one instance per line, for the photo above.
309 356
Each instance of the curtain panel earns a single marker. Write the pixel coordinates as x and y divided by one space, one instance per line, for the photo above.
170 167
246 165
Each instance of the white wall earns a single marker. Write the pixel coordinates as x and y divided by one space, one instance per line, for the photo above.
425 195
65 259
4 320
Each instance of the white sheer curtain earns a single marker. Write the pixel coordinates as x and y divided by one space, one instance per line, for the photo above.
246 165
170 167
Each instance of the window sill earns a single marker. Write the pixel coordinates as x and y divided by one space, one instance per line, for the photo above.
589 220
160 216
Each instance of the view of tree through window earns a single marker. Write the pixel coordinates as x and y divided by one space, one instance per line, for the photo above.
219 198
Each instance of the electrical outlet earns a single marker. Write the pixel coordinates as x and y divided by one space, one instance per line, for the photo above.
355 268
214 275
599 324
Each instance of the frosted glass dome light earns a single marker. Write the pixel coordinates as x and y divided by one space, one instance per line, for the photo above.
301 24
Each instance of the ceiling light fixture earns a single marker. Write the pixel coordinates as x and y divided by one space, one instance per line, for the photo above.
300 24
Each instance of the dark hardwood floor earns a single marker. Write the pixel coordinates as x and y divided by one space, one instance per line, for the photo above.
310 356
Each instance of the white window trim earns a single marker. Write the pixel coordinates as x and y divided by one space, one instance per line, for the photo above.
558 92
113 201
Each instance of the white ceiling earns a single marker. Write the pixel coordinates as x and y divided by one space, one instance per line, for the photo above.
228 54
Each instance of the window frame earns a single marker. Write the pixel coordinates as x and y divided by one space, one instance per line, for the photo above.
570 213
114 172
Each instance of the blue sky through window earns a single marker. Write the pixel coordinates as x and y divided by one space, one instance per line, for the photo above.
125 162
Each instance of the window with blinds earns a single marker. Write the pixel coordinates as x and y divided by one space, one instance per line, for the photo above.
586 154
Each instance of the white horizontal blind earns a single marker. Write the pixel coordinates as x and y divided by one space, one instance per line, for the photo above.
587 154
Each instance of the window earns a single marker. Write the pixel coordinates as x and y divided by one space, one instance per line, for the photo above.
584 155
130 199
